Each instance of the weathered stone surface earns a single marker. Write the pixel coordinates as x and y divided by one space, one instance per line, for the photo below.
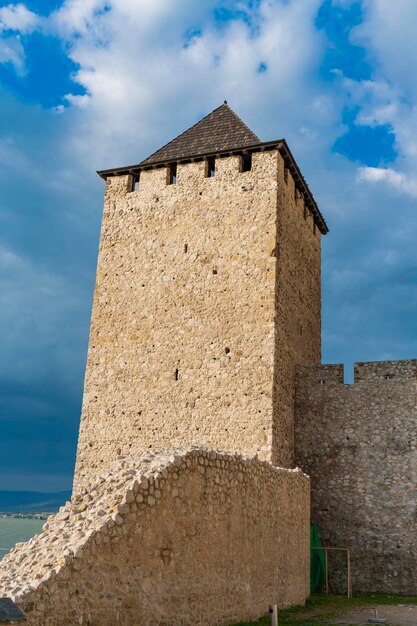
214 548
207 296
359 445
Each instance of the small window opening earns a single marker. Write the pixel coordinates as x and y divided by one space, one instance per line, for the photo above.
176 374
186 248
211 167
136 182
227 350
214 271
388 376
172 174
246 163
322 381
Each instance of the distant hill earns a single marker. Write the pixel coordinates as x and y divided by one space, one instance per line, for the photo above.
32 501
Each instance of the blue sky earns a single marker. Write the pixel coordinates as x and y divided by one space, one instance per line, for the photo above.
87 84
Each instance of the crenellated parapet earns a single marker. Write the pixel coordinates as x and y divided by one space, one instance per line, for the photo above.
194 178
364 372
311 375
377 371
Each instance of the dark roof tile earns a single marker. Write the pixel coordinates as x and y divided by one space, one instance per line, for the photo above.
222 129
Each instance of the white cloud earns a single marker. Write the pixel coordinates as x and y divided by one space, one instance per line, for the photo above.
144 84
390 96
389 33
398 180
79 101
75 17
18 18
11 51
137 71
378 99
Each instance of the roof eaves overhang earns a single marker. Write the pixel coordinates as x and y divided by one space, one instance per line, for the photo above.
278 144
302 185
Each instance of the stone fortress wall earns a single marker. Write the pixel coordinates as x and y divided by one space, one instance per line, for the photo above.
358 443
207 295
205 335
168 538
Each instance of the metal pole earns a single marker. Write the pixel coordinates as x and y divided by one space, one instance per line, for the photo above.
349 573
273 609
327 569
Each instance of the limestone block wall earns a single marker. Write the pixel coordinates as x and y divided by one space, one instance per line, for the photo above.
192 537
358 443
207 295
297 308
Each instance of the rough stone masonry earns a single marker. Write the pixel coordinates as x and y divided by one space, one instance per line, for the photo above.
190 537
358 443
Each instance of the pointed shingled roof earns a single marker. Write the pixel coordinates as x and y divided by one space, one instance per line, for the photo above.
221 130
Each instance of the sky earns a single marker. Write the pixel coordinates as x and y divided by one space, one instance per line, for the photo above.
91 84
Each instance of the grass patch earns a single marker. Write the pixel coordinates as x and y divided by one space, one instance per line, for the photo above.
320 609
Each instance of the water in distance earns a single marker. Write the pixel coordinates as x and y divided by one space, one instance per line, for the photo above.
14 530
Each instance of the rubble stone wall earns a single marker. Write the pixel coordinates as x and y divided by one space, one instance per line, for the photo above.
358 443
207 295
192 537
297 309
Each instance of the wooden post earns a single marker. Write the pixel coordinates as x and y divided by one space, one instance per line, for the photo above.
327 569
349 567
349 575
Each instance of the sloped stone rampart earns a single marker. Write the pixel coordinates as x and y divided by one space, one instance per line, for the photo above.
192 537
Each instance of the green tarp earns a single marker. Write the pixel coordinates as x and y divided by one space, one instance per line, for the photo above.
317 562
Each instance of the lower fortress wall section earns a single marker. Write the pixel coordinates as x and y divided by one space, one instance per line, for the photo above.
358 444
192 537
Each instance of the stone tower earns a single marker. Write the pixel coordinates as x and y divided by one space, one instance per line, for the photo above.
207 297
